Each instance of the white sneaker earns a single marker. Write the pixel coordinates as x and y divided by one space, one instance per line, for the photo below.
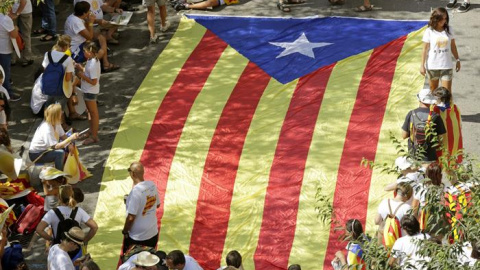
154 39
165 28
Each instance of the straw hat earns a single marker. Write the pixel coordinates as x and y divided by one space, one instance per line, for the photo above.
146 258
76 235
50 173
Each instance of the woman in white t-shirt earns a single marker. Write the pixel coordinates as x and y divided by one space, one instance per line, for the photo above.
51 136
66 205
90 76
439 44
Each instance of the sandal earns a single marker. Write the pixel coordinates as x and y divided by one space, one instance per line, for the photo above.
39 32
283 8
90 140
363 8
76 116
110 68
48 37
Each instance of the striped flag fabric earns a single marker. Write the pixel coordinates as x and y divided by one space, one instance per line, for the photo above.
239 142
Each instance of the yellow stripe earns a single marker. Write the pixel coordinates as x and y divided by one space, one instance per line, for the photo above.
131 136
456 131
253 171
406 83
311 236
187 166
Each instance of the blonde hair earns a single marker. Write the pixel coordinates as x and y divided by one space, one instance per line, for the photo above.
53 114
63 42
66 196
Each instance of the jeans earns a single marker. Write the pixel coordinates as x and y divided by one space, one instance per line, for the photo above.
5 60
56 156
49 20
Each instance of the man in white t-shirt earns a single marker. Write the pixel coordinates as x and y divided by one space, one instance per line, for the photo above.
79 26
177 260
141 223
98 7
406 248
58 258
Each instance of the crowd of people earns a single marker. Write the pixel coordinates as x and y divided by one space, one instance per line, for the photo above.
403 221
80 56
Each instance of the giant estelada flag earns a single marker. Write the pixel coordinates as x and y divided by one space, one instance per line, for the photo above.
248 124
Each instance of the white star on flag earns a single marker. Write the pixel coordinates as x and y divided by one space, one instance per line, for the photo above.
301 45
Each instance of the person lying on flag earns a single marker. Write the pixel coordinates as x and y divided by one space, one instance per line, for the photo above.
182 5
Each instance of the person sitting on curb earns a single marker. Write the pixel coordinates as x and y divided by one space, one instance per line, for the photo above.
181 5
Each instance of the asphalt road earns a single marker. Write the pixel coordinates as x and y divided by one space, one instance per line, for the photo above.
136 56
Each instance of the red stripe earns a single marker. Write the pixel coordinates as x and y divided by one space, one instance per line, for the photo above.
353 180
450 131
171 115
460 137
216 188
286 175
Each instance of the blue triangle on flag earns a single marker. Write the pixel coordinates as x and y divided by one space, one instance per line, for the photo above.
289 48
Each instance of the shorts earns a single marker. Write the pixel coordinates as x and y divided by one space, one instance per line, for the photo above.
149 3
89 97
440 74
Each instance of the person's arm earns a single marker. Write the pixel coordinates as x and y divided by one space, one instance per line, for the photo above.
415 208
68 76
128 224
391 261
93 230
426 48
378 219
405 134
66 141
13 33
87 33
341 257
41 231
455 54
81 75
391 187
106 7
22 5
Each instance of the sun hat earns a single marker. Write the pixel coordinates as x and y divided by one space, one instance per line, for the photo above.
403 163
146 258
50 173
76 235
425 96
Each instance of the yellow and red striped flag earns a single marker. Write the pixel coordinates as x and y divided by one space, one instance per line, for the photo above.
239 143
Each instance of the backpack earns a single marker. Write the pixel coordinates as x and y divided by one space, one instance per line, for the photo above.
391 229
29 219
418 129
65 224
52 80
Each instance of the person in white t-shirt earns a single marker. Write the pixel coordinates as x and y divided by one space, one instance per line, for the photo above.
48 136
90 76
67 204
405 249
7 31
79 26
409 174
397 205
177 260
141 226
58 258
21 14
439 45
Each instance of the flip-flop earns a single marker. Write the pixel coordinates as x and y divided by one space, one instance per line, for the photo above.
283 8
77 116
48 37
363 8
90 140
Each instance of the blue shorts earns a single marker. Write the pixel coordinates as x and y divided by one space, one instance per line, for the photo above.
89 97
